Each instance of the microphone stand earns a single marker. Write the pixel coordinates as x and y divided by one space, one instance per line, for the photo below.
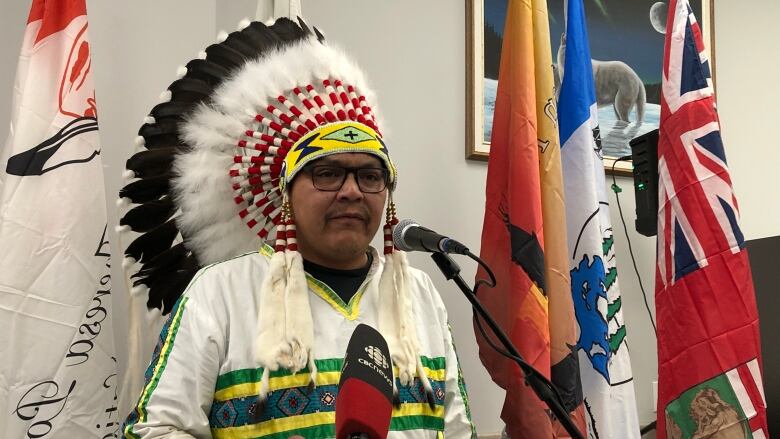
451 271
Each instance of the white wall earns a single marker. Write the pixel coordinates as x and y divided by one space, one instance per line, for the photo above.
413 52
747 60
12 21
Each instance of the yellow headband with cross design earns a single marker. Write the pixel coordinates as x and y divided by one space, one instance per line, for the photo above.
335 138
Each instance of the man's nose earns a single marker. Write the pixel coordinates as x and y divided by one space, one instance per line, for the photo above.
350 189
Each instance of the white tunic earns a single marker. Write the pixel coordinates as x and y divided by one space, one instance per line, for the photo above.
202 381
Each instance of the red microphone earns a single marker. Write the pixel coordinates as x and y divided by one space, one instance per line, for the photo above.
364 401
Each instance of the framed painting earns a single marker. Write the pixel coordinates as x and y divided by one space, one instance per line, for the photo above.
627 36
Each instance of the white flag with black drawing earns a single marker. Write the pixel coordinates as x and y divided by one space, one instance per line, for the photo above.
58 374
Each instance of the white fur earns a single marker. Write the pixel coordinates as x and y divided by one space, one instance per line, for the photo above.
207 129
265 383
424 379
243 24
181 72
209 216
270 343
165 96
149 120
259 82
123 203
139 291
203 190
388 324
312 370
128 175
222 36
396 321
406 328
140 141
122 229
299 329
128 262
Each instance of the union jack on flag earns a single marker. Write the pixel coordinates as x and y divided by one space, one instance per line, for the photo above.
709 374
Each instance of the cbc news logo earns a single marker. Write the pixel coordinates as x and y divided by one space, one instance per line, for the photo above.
377 357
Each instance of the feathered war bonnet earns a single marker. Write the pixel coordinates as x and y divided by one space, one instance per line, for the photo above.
212 178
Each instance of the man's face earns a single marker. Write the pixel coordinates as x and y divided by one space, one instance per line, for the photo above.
334 229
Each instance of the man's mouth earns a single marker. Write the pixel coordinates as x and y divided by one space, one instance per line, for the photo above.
347 216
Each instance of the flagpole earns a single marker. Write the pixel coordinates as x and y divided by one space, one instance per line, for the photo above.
533 378
273 9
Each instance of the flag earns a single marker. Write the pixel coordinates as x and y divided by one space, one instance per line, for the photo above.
524 234
605 366
58 374
709 356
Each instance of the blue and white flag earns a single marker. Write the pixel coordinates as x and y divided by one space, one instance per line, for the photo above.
605 367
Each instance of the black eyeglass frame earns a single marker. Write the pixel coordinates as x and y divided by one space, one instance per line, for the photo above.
354 171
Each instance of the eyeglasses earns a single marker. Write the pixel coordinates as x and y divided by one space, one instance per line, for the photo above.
331 178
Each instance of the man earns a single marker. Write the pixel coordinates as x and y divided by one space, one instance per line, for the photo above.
254 345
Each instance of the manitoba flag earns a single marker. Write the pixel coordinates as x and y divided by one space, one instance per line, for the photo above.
58 374
709 371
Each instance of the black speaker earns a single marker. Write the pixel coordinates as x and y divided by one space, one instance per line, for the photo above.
644 154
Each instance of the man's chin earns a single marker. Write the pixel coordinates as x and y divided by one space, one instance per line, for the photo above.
349 244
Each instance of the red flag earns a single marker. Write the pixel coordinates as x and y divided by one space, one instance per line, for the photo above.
524 231
709 372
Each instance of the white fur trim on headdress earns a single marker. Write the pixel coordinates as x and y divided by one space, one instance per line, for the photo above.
299 326
123 203
270 343
139 291
396 316
165 96
128 262
243 24
396 323
203 191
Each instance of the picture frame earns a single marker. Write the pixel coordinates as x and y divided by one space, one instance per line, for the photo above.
614 143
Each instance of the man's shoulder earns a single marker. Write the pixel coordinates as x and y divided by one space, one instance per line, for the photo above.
420 277
246 259
423 289
241 268
222 286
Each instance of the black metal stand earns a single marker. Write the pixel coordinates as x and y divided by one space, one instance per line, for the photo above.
451 271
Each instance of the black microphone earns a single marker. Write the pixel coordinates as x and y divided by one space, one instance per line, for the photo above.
410 236
364 403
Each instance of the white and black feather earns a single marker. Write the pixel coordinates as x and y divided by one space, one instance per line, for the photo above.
182 190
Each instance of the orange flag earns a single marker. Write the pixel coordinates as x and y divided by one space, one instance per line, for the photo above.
524 230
